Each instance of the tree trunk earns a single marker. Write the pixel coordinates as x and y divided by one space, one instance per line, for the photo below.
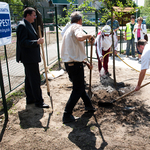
114 75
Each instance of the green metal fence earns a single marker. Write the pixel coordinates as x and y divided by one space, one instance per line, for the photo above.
13 72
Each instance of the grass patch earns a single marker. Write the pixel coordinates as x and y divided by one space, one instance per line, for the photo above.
148 31
13 98
56 66
13 34
123 51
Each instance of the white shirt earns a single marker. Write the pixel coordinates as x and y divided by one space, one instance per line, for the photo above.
105 43
72 49
145 59
142 32
65 28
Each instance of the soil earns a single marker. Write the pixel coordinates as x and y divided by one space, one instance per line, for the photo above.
123 125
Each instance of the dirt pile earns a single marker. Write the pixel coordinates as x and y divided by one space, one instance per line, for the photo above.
125 110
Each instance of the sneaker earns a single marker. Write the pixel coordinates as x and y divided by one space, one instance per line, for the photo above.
127 56
108 74
69 118
133 56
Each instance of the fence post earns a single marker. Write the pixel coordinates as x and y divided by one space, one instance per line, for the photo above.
96 18
57 36
3 93
7 67
120 41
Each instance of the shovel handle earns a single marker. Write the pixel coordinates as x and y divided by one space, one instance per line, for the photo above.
43 56
90 65
130 92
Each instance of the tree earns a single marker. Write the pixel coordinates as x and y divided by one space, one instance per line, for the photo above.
16 9
147 3
145 12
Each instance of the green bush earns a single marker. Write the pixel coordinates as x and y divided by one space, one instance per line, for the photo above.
62 20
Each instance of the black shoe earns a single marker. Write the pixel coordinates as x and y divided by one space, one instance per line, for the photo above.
69 118
91 109
30 102
108 74
133 56
43 105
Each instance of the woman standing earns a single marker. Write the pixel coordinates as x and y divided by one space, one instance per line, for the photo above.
139 32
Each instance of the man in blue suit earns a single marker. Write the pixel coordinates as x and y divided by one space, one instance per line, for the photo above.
28 52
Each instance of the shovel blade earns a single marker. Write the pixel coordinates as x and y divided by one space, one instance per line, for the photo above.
90 93
51 102
105 104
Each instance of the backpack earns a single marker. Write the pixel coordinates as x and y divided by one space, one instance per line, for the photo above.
145 35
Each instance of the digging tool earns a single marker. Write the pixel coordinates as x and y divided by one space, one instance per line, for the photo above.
90 92
45 67
108 104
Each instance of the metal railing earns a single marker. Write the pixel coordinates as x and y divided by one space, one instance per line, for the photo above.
12 73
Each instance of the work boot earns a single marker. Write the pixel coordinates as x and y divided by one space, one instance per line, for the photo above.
69 118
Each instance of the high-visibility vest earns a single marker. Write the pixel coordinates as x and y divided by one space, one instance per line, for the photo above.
128 31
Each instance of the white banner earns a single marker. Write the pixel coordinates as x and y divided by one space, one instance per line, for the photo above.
5 24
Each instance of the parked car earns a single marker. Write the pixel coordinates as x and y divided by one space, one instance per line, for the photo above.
98 20
13 25
93 20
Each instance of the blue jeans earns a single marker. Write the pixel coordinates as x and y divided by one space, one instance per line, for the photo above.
137 48
76 74
132 44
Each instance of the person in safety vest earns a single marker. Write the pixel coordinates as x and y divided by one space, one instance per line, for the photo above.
129 36
103 43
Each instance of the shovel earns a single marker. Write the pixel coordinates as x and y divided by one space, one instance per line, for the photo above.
109 104
90 92
45 67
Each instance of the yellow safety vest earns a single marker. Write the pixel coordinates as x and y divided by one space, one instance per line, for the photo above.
128 31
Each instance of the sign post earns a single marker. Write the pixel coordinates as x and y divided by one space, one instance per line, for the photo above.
5 38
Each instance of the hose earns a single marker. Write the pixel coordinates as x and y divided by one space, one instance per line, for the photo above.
124 62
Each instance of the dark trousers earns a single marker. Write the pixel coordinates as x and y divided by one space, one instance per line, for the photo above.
132 44
105 63
76 74
33 83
